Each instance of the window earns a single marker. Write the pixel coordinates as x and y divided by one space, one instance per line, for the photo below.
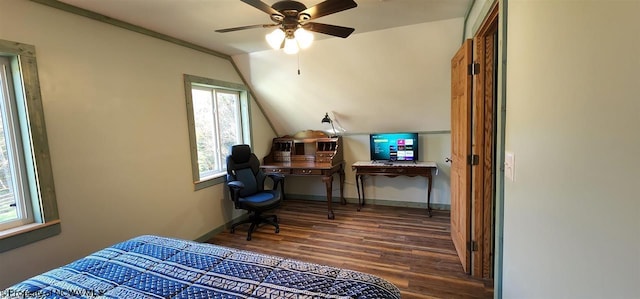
15 209
28 209
218 114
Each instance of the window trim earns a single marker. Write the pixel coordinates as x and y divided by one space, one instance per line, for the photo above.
189 81
16 148
27 92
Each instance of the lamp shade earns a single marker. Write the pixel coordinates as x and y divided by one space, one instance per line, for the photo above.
290 46
304 38
275 38
293 42
326 118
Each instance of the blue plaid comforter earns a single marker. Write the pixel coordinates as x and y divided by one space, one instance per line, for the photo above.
159 267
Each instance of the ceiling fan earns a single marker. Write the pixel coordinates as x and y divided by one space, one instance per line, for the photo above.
292 20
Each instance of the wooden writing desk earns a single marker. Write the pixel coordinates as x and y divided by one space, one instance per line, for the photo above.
324 170
364 168
308 156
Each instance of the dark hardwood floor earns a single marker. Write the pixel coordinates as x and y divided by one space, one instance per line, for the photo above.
402 245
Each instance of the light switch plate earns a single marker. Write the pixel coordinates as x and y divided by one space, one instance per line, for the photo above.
509 166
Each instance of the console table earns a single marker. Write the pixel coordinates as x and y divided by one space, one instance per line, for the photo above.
305 155
364 168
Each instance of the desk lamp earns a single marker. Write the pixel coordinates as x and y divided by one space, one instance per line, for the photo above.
327 119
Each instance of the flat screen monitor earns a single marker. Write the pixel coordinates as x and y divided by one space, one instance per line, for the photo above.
394 146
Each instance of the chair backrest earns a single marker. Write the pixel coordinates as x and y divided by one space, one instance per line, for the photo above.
244 166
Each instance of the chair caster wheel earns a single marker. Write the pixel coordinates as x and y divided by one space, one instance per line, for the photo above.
233 230
249 238
277 230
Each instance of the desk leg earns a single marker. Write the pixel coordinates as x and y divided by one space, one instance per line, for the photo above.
328 181
429 178
360 185
342 200
358 179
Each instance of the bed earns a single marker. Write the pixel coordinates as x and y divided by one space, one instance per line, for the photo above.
159 267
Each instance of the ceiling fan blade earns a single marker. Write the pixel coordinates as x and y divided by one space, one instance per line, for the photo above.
262 6
329 29
246 27
328 7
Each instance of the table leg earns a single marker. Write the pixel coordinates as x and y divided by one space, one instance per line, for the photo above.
362 185
341 172
328 182
361 199
358 188
429 179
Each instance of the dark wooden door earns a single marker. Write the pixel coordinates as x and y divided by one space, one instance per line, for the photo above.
460 151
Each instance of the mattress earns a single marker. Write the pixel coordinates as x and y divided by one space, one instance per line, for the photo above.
159 267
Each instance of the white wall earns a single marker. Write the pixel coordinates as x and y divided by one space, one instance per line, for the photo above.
115 113
572 215
382 81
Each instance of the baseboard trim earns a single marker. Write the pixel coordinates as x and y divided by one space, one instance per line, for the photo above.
221 228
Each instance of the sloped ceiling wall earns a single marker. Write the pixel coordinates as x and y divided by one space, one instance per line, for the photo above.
382 81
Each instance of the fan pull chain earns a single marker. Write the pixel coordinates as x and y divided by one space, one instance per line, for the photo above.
298 63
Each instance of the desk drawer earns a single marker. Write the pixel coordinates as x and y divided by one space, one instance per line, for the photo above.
277 170
307 171
393 171
324 157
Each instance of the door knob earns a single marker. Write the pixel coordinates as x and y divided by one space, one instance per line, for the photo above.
447 160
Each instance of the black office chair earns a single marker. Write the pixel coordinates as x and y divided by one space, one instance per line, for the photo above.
246 186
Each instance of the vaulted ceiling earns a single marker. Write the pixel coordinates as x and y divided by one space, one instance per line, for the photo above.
391 74
195 21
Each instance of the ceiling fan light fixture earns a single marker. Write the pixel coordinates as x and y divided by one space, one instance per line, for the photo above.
275 38
290 16
291 46
304 38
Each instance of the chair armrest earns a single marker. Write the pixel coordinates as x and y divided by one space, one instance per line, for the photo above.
234 191
235 185
276 177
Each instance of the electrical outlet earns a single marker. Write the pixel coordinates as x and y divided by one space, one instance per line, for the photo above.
509 166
